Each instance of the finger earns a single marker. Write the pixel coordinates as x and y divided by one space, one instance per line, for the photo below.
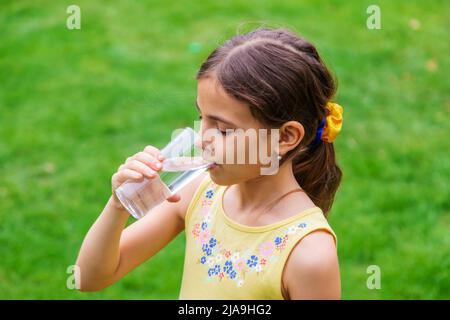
154 152
126 174
174 198
149 160
138 166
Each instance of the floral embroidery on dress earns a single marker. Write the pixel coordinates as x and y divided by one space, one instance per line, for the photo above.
221 262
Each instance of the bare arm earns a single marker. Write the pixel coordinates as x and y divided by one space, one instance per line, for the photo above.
312 270
108 251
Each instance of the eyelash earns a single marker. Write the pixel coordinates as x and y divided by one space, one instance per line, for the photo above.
224 133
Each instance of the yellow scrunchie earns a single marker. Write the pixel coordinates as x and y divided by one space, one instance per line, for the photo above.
333 123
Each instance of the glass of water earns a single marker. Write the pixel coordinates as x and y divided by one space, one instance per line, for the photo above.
182 163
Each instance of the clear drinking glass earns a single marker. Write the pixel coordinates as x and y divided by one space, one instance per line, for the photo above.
182 163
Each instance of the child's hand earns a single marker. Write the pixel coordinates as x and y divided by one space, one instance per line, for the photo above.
143 164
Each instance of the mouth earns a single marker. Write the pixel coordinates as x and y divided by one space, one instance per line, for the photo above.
212 166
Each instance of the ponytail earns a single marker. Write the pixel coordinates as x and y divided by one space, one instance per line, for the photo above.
317 172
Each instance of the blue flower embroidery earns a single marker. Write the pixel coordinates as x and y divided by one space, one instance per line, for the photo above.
206 249
302 225
217 269
204 225
210 272
212 242
209 194
252 261
228 266
232 274
203 260
278 240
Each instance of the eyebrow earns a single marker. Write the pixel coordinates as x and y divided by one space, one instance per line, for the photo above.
217 118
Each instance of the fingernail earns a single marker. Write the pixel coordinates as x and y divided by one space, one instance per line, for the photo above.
158 165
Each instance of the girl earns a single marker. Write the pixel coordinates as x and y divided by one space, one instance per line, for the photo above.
248 235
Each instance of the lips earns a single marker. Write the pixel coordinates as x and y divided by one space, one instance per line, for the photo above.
212 166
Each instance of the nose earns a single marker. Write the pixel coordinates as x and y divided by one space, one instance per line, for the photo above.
198 141
202 142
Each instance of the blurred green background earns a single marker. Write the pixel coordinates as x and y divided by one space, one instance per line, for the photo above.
75 103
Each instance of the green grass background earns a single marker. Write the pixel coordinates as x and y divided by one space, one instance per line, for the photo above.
75 104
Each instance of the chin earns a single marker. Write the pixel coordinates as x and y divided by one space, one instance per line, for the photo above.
230 175
219 180
219 177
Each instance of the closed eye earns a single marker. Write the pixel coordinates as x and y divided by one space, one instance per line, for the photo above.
216 118
222 132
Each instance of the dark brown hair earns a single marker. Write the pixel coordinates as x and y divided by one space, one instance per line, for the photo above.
281 77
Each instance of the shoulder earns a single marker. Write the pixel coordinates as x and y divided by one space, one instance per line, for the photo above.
312 269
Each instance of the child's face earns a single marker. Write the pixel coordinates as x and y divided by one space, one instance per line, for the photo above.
220 112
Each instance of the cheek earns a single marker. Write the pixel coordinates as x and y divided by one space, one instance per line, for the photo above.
244 151
234 151
240 168
224 149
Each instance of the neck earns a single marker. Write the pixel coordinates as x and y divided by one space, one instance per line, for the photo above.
263 189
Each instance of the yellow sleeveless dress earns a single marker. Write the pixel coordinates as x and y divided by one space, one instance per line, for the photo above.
228 260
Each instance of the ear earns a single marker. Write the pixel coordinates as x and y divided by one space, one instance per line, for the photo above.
291 134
